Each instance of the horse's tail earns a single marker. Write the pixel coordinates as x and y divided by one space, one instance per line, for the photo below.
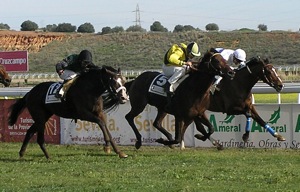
15 110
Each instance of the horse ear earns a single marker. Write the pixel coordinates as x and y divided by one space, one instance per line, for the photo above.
119 70
213 50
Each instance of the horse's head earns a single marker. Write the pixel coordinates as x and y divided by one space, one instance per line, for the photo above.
4 77
269 75
116 84
213 62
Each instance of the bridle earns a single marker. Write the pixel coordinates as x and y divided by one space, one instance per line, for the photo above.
111 89
264 77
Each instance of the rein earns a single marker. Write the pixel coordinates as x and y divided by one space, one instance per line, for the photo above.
209 62
265 78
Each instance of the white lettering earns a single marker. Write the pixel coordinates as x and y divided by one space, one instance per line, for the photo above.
19 61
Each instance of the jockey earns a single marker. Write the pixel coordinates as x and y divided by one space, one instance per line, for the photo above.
69 68
234 58
177 62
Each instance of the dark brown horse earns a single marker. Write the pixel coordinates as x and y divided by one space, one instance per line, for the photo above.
235 97
4 77
189 100
84 100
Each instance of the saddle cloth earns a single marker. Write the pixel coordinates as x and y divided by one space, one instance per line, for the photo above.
50 96
157 85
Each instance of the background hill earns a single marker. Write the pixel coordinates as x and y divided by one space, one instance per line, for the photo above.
142 51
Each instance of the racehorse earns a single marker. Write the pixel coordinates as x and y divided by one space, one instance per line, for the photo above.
235 97
4 77
84 100
189 94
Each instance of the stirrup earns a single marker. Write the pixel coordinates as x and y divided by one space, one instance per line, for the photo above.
214 88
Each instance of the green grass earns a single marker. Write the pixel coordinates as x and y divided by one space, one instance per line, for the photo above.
273 98
87 168
145 51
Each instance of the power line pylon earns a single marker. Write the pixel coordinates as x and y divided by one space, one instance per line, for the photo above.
137 16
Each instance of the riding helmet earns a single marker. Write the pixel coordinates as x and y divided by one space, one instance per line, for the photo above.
85 56
240 54
193 49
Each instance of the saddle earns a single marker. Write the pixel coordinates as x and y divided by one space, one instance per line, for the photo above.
157 85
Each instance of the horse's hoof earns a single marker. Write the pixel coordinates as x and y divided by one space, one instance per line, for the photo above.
122 155
220 147
171 146
107 149
138 145
21 154
245 138
280 138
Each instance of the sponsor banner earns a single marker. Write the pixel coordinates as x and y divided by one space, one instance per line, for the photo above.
89 133
16 132
285 119
14 61
295 141
230 129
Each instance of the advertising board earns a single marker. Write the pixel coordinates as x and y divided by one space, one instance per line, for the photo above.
14 61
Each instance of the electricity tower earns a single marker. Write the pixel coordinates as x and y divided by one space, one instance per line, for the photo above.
137 16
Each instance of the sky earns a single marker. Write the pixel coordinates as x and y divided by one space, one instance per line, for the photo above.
227 14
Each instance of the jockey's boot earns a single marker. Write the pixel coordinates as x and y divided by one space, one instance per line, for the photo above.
168 107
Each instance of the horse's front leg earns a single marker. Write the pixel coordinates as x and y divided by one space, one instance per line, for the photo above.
130 119
247 129
262 123
179 126
199 121
201 129
109 140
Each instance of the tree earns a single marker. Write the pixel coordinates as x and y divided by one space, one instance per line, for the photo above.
262 27
51 28
29 26
212 27
65 27
135 28
86 28
178 28
117 29
156 26
4 26
181 28
105 30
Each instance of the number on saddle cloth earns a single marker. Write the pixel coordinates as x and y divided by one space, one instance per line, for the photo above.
157 85
50 96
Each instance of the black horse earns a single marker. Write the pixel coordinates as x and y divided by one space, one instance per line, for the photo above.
235 97
84 100
4 77
188 101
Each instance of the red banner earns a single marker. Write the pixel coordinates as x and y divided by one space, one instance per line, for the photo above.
14 61
16 132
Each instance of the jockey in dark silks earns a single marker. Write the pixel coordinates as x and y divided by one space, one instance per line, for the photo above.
69 68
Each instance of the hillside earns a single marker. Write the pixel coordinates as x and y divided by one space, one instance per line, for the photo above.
145 50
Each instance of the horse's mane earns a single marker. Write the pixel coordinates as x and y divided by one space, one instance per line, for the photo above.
110 102
250 62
